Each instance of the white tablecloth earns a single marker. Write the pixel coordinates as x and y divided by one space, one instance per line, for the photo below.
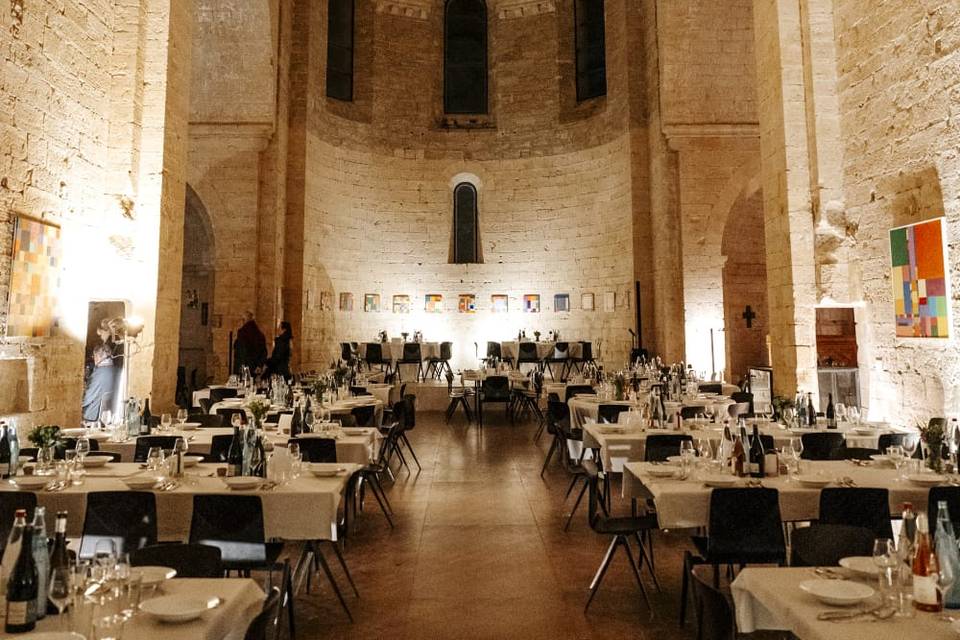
339 407
686 503
586 408
304 509
393 351
205 392
511 349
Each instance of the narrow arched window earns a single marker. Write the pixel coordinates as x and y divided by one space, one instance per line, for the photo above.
591 49
466 233
465 57
340 50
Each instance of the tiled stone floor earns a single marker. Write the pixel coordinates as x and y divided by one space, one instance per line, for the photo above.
479 551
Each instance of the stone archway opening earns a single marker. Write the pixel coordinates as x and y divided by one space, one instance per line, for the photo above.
196 308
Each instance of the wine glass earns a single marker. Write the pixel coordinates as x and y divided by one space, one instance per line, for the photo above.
60 591
840 412
686 449
309 420
106 418
180 446
236 420
83 448
181 416
166 422
853 412
154 458
895 453
886 558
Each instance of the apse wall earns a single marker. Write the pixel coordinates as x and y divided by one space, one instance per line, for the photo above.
553 177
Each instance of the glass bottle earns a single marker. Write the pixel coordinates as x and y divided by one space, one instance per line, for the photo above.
22 588
41 559
945 543
926 568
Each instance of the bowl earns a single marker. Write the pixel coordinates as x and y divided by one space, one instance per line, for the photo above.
31 483
151 575
140 483
861 565
92 461
719 481
326 471
837 593
241 483
178 608
814 481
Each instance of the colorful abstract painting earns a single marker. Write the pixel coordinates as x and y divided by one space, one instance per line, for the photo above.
371 302
921 292
346 302
561 302
401 304
531 303
433 303
500 303
34 278
468 303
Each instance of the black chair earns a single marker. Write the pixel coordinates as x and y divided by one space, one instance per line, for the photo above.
145 443
348 353
743 396
858 507
494 389
316 449
364 415
207 420
710 387
859 453
950 495
374 356
226 415
408 421
660 446
586 355
527 401
439 366
561 358
10 501
128 518
189 560
411 355
767 442
495 353
221 393
745 528
712 610
527 354
823 545
558 424
888 440
70 444
610 413
265 625
458 398
622 529
219 448
690 412
578 390
205 405
823 446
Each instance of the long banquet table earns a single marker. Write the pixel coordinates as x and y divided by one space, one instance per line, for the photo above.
336 408
303 509
686 503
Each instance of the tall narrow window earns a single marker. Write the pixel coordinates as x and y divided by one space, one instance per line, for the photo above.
591 49
340 49
465 57
466 235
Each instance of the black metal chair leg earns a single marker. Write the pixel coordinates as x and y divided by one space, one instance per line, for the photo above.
403 437
598 577
636 573
647 555
333 583
553 449
575 505
343 565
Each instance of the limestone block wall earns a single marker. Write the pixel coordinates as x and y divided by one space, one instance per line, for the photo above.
899 86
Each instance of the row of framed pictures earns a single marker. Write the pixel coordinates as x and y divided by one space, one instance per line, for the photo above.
467 303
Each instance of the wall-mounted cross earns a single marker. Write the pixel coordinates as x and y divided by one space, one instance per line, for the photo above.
748 315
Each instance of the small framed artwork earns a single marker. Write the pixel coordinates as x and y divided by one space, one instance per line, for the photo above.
586 301
401 304
433 303
467 303
531 303
561 302
609 301
325 300
346 302
371 302
34 278
920 277
500 303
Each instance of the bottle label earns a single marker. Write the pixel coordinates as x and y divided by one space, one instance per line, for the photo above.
21 613
925 589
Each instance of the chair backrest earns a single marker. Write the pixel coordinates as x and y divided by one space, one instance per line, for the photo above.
690 412
316 449
767 442
586 351
364 415
495 388
558 416
145 443
446 350
189 560
738 409
10 501
233 524
346 352
578 390
449 377
712 610
128 518
823 545
221 393
409 411
359 391
219 447
857 507
374 353
267 620
493 350
660 446
205 404
528 352
207 420
745 523
710 387
226 415
561 351
592 474
950 495
411 351
888 440
823 446
610 412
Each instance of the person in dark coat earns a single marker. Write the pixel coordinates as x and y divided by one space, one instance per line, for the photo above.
250 347
279 362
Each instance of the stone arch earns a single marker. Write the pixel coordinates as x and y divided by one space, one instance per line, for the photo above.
197 292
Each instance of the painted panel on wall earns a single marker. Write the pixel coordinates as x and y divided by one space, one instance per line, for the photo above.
531 303
371 302
586 301
401 304
467 303
561 302
433 303
34 278
921 290
500 303
346 302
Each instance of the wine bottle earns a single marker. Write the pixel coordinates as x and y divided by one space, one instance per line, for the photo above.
296 422
59 556
831 416
926 597
14 438
261 469
757 459
4 451
945 543
235 455
41 559
145 418
801 406
22 588
739 457
12 550
811 411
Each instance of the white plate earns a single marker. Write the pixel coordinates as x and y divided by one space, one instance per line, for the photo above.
661 471
719 481
53 635
838 593
177 608
326 471
607 429
816 482
153 575
31 482
140 482
880 457
25 459
863 431
74 432
861 565
926 479
243 482
92 461
189 426
192 461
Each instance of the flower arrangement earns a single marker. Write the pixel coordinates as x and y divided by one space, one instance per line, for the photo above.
258 409
340 374
780 404
45 436
320 387
932 434
619 384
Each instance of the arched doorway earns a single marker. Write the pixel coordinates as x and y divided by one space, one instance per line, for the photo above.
196 307
745 285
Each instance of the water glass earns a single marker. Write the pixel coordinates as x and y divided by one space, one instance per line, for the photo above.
109 627
154 458
181 416
886 558
166 422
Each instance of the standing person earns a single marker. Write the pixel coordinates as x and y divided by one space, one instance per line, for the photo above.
279 362
102 380
250 347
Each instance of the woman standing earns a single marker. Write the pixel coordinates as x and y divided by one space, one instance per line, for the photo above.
102 382
279 362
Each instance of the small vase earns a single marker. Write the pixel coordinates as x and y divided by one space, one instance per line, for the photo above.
935 457
46 459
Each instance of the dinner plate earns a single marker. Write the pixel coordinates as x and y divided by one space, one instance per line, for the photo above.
838 593
192 461
73 432
926 479
718 481
326 471
92 461
610 429
153 575
863 431
817 482
880 457
140 482
243 482
31 482
53 635
178 608
861 565
189 426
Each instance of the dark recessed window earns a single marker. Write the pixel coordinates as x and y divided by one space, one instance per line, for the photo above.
340 49
591 50
465 57
466 234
